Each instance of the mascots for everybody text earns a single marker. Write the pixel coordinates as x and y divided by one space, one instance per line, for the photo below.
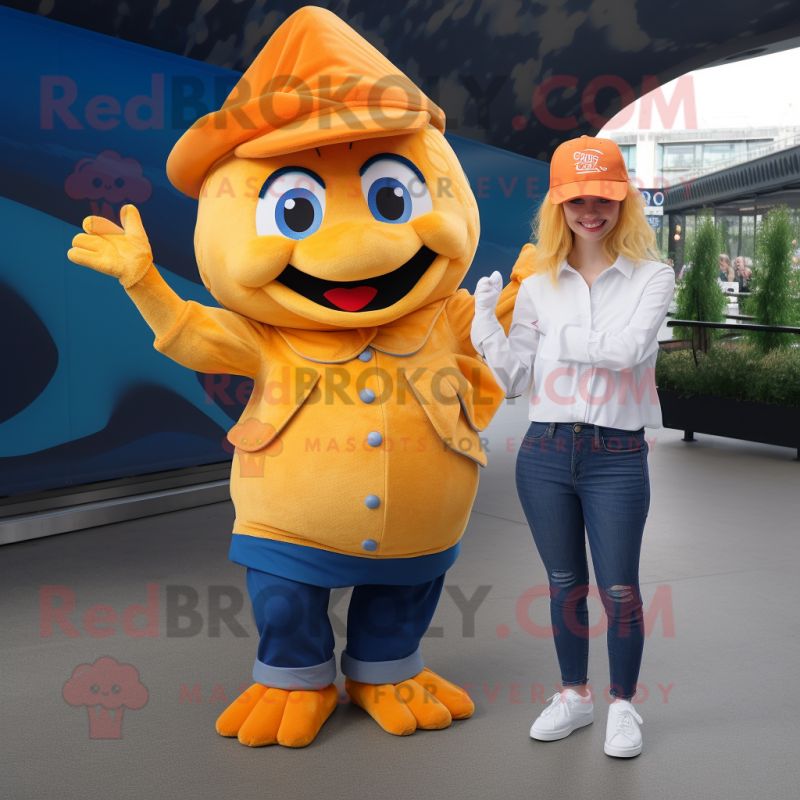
334 227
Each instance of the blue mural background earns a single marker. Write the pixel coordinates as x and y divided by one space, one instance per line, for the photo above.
85 397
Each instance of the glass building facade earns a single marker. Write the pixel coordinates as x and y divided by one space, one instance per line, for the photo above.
674 159
738 222
629 156
738 198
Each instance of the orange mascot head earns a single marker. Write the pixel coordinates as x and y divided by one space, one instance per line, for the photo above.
328 195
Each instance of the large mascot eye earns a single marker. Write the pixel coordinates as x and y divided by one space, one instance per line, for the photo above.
394 188
291 203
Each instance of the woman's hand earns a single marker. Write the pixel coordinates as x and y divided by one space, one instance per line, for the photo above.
487 292
122 252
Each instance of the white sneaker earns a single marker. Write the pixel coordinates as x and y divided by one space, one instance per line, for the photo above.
566 712
623 737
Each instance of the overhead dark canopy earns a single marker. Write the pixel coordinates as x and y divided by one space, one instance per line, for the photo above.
480 60
765 175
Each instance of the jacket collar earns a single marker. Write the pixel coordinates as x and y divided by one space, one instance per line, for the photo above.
402 337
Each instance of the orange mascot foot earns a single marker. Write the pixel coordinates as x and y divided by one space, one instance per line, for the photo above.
425 701
262 716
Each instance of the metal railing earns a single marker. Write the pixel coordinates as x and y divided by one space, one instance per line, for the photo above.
702 329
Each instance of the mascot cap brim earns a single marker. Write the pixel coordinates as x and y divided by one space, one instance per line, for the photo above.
316 82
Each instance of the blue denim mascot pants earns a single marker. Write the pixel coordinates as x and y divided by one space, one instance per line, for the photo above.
384 626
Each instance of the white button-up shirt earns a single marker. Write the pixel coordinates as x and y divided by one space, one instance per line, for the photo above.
590 354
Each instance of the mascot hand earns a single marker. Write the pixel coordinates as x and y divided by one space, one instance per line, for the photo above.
487 293
122 252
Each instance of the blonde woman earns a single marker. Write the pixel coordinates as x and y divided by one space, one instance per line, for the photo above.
584 333
726 271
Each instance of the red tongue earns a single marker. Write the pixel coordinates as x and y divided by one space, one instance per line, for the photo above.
351 299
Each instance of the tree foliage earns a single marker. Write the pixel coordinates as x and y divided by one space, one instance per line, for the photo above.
772 301
699 297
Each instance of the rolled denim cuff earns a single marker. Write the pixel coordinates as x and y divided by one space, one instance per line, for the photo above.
295 678
380 672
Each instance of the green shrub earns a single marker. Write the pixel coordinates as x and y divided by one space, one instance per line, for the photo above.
699 296
772 301
740 373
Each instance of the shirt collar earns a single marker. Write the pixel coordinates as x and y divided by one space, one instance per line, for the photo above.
402 337
623 264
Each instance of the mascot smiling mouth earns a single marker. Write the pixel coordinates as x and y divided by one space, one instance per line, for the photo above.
371 294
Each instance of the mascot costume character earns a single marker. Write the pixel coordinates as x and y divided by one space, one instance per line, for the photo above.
334 227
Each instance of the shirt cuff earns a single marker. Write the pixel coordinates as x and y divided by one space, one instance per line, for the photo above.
483 328
573 343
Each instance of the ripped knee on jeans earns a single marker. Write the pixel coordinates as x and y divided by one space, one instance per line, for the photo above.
621 594
563 578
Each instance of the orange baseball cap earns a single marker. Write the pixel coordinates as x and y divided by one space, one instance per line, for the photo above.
315 82
587 166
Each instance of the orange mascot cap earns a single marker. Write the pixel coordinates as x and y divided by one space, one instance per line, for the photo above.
316 82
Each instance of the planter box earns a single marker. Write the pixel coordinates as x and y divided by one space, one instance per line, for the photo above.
736 419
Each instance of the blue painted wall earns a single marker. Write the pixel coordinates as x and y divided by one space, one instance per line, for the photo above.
85 397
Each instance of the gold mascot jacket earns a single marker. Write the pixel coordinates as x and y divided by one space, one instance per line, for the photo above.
362 434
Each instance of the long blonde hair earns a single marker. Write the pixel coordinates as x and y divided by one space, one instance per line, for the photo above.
631 237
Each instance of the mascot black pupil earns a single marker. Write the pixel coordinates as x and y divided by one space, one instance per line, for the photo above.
299 214
389 204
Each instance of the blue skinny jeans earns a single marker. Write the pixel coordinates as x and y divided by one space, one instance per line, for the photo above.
576 476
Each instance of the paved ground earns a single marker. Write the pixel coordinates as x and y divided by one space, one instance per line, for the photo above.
720 716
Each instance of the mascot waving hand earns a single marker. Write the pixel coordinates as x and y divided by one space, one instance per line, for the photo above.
334 227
